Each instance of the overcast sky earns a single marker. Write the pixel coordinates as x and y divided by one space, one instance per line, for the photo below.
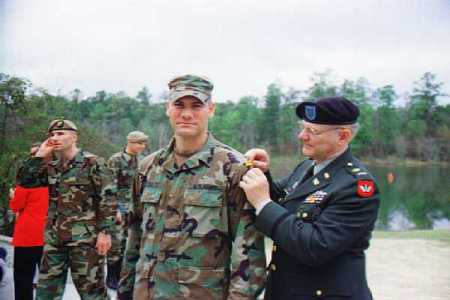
242 45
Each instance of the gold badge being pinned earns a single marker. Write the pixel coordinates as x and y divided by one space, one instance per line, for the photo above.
248 163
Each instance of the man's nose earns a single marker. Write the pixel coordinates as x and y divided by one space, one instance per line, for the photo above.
302 135
186 113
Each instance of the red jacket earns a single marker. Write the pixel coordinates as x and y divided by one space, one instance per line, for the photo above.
31 204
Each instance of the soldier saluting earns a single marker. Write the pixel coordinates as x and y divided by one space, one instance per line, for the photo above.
80 216
321 216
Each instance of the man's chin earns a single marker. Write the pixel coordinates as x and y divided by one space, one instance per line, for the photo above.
306 152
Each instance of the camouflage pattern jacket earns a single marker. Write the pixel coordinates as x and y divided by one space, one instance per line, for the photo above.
124 168
194 229
82 200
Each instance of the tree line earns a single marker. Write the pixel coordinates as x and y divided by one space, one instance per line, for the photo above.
406 126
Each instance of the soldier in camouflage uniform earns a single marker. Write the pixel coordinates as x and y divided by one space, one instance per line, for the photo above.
192 233
124 166
81 213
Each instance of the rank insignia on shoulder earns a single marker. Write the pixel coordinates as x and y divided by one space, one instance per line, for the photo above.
248 163
365 188
316 197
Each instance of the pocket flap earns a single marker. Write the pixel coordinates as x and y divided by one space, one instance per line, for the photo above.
203 197
204 276
151 194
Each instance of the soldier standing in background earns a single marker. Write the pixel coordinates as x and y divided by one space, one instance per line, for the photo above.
124 166
81 213
192 233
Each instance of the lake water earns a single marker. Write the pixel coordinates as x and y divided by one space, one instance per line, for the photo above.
417 198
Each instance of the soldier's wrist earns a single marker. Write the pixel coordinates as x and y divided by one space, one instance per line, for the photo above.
261 204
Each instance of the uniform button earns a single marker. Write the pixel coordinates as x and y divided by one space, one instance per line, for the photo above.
304 215
319 293
274 248
273 267
299 215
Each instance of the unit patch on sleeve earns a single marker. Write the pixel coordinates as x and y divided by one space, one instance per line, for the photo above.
365 188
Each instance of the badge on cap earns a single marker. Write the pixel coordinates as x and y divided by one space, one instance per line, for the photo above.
365 188
310 112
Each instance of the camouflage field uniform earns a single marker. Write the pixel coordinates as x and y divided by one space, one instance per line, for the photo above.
81 204
124 168
192 234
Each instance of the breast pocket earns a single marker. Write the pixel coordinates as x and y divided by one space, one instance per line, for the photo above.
203 211
79 196
150 199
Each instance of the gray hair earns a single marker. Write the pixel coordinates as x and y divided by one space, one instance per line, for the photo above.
354 128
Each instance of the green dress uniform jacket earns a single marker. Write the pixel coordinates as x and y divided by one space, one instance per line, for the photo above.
320 228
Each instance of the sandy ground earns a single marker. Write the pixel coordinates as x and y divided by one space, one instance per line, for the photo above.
398 269
409 269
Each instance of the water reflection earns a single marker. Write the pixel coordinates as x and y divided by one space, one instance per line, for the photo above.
413 197
399 221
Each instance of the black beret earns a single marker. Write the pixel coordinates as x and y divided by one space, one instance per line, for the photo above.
331 110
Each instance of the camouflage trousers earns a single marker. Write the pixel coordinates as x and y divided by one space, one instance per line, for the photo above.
127 273
86 268
118 242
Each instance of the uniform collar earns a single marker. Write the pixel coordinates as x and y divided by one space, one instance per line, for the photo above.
320 166
202 157
127 155
77 159
322 178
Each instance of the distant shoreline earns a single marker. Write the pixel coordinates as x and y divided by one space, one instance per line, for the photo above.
426 234
393 161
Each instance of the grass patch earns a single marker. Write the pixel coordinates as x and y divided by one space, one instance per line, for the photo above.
437 234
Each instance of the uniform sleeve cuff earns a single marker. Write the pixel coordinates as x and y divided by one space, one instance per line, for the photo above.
261 205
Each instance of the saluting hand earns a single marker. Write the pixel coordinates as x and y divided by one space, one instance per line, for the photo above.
103 243
256 188
45 149
259 157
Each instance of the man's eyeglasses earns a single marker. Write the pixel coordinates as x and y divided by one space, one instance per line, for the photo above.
313 131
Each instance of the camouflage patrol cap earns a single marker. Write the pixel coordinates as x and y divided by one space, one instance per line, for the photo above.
190 85
61 124
137 137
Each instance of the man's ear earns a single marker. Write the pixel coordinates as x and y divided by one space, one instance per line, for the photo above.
167 108
345 135
75 136
211 109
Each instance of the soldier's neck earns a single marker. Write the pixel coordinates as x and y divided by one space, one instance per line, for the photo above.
186 147
130 152
69 154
